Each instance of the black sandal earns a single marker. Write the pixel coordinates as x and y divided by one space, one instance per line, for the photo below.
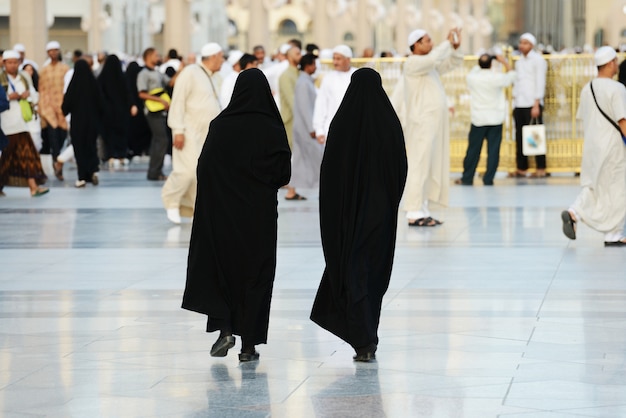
569 225
295 197
425 222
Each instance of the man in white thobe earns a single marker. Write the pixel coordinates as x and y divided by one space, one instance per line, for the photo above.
195 103
422 105
332 90
307 153
228 83
601 203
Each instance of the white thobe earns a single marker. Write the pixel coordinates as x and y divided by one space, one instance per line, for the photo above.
421 103
329 97
194 105
228 85
601 203
307 153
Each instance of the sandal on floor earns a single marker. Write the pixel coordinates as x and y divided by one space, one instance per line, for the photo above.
517 175
425 222
295 197
58 170
569 225
40 192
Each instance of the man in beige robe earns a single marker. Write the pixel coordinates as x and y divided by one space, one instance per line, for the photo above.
287 90
195 103
422 105
51 89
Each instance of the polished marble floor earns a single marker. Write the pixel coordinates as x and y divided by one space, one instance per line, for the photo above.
493 314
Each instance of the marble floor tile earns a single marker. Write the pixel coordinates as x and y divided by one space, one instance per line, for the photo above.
493 314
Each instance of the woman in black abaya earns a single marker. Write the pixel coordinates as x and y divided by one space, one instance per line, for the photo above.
139 132
232 254
361 184
83 101
117 110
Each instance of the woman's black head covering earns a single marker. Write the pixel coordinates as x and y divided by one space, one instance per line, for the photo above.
251 94
113 82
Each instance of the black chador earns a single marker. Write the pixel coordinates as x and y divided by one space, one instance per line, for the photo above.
361 183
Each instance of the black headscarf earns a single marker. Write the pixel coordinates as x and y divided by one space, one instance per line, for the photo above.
113 83
244 161
132 71
82 98
361 183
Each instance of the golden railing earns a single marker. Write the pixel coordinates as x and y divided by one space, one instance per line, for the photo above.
567 74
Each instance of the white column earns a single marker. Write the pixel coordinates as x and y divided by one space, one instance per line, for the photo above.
320 25
94 35
28 26
363 30
176 29
402 32
258 30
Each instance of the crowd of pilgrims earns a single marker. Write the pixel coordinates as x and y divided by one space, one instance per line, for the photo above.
92 112
99 93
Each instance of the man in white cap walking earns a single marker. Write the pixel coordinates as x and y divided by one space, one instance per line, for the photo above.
528 91
195 103
422 105
601 204
51 88
332 90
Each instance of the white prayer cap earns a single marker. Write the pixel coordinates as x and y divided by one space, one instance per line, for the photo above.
53 45
234 57
284 48
529 37
343 50
604 55
210 49
416 35
10 54
19 48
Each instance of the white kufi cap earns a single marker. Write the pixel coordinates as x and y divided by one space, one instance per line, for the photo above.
604 55
53 45
234 57
343 50
19 48
416 35
210 49
284 48
529 37
10 54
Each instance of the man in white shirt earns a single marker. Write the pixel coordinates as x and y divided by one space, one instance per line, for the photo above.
528 92
195 103
332 90
487 110
601 204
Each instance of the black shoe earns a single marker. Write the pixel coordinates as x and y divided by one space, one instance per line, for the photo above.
222 345
569 225
244 357
615 243
365 357
366 354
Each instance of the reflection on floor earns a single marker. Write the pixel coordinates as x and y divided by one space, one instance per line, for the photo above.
495 313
